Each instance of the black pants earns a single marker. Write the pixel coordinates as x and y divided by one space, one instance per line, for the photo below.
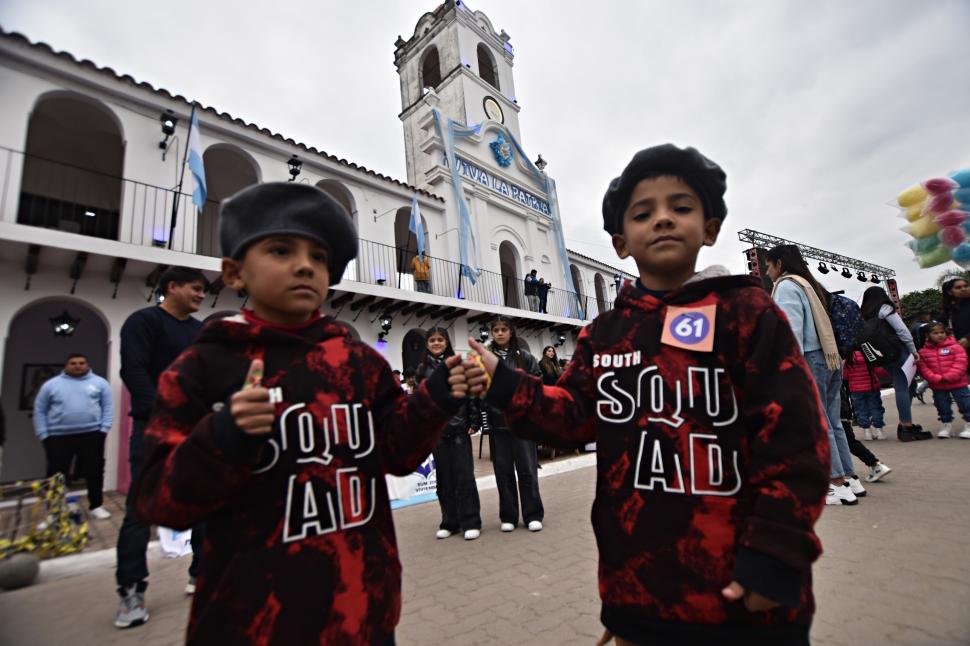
457 491
511 456
856 447
89 450
134 534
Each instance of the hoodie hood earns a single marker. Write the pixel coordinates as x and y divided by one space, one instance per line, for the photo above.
715 278
244 328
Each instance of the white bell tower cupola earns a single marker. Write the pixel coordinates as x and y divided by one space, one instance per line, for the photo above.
455 55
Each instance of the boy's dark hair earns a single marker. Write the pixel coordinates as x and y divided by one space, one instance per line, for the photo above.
75 355
180 276
513 347
687 164
792 262
288 209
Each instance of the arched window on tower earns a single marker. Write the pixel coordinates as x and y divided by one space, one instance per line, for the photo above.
430 69
486 66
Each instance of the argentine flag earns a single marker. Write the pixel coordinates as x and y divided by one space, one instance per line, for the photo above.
415 223
195 164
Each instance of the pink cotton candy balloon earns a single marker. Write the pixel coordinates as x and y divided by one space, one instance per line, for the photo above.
940 185
953 236
951 218
939 203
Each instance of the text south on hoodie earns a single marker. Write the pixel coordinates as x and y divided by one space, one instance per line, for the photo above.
711 466
300 546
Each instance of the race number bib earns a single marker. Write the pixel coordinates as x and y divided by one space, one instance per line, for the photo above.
690 328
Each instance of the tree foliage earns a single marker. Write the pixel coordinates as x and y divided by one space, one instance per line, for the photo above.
927 299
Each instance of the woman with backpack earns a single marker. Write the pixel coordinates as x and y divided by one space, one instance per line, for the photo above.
806 303
885 330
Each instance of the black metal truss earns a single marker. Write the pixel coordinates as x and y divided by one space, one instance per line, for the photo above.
765 241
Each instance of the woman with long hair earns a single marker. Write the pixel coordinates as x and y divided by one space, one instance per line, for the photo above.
550 366
511 455
876 304
805 303
455 468
956 309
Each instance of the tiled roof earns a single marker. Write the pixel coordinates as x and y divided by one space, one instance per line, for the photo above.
225 116
600 263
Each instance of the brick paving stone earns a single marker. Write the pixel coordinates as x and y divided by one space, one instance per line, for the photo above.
896 570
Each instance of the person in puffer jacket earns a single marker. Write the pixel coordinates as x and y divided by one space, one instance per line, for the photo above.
454 464
863 382
943 364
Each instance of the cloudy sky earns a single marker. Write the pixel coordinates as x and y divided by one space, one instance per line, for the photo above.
820 112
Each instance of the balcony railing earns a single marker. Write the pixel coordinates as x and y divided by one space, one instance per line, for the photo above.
55 195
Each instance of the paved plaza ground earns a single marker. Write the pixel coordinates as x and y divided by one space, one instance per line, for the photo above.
896 570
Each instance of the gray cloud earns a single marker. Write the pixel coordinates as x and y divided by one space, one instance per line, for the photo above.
820 112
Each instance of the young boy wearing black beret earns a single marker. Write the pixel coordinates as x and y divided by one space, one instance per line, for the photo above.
276 427
712 458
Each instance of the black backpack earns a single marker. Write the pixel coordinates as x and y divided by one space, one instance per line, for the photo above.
847 323
878 343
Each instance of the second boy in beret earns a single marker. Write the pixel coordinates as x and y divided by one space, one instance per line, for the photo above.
277 428
712 458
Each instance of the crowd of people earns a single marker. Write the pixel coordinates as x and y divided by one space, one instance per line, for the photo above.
722 418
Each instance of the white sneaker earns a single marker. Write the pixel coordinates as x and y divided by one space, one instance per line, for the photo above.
867 435
508 527
857 489
878 434
965 433
535 526
100 513
472 534
442 533
945 431
840 495
877 472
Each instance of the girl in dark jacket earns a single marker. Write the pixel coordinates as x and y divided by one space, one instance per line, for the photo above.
956 309
455 470
510 454
549 364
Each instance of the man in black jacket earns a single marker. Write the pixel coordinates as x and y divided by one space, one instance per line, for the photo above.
151 339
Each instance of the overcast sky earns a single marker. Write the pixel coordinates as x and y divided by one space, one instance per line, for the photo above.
820 112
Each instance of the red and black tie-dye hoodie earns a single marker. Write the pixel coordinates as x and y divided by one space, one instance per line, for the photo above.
300 545
711 466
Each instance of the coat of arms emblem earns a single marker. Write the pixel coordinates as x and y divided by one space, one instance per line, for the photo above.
502 150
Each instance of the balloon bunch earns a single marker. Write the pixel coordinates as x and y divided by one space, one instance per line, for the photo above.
938 215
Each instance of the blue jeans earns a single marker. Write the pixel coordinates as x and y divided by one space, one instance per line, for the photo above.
829 383
901 385
868 409
941 399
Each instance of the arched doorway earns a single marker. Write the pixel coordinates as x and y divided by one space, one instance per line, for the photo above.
524 345
487 70
73 167
342 194
508 259
600 286
406 246
34 354
578 284
412 350
227 169
430 68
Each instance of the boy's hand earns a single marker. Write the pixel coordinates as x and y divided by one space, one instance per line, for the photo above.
250 407
753 601
479 372
456 377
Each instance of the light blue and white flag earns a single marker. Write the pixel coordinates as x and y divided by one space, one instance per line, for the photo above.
195 163
415 224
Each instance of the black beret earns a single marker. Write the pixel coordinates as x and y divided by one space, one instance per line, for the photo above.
700 173
288 208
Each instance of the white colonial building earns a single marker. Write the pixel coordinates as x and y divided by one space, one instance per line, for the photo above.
88 198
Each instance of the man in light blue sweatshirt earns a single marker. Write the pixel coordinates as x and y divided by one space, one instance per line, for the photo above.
72 416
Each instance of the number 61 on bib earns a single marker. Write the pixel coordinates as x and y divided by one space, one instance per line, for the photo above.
690 328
